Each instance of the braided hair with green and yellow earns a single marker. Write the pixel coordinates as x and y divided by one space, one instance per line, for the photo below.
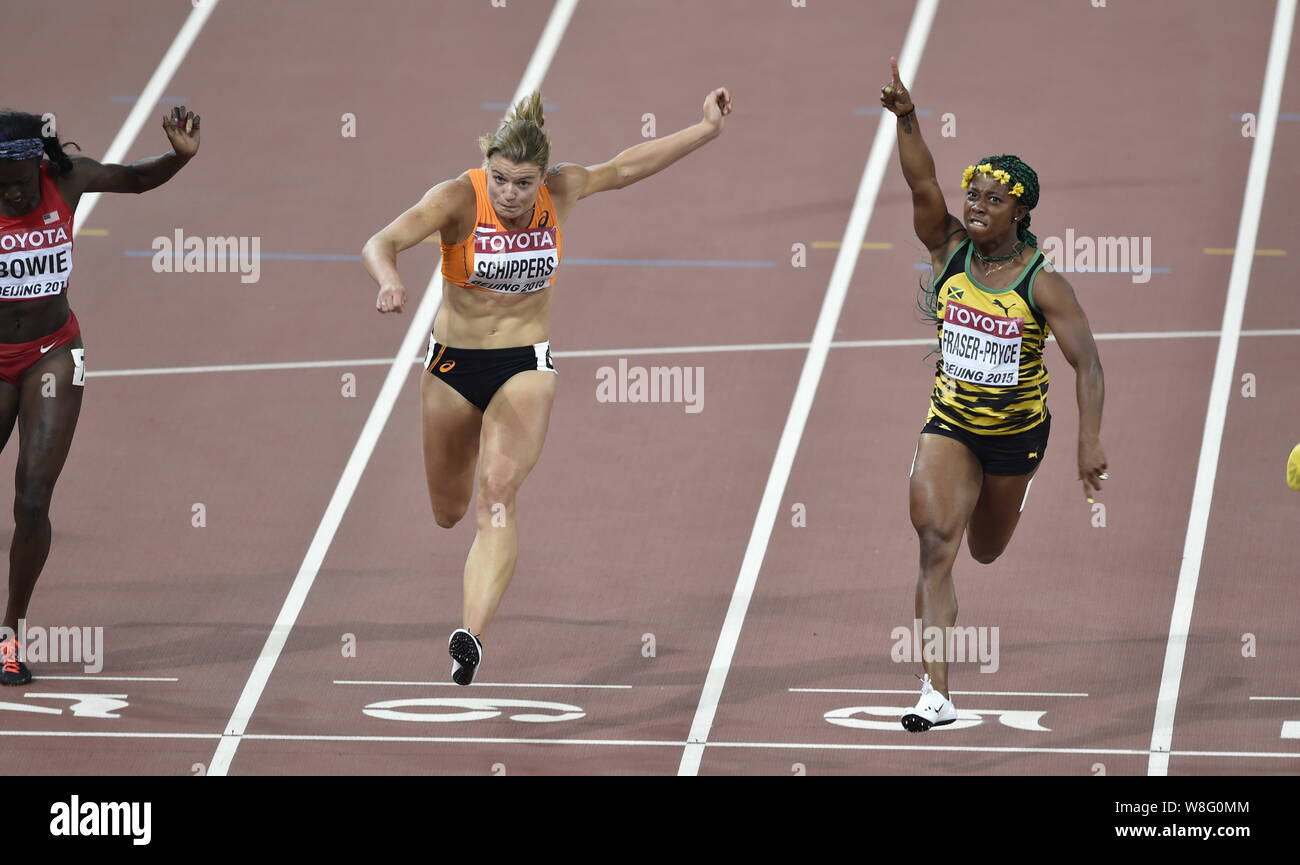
1020 180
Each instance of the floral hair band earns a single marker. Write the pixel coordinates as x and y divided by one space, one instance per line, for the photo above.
989 171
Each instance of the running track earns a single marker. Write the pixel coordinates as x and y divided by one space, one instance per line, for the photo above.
641 521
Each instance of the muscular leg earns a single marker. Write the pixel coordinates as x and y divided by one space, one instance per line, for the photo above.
450 429
9 395
47 418
944 488
514 429
995 516
9 399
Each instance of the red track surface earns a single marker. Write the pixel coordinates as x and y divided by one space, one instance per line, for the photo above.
637 518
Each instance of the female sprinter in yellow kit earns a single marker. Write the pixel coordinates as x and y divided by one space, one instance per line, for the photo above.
994 302
489 382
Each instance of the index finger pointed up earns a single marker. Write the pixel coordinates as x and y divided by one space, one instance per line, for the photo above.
893 67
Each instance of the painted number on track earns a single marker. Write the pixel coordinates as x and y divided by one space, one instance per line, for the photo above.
83 705
471 709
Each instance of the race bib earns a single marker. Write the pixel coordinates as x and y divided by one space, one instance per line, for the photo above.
35 262
981 348
514 262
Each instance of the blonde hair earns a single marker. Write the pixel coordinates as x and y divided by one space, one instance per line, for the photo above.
520 138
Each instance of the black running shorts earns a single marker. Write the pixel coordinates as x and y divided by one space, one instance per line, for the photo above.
478 373
1015 454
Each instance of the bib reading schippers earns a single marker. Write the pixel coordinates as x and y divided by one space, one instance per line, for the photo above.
494 258
514 261
991 378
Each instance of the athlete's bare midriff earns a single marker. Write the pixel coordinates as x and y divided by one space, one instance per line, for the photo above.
471 318
26 320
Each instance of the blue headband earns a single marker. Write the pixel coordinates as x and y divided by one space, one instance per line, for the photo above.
22 148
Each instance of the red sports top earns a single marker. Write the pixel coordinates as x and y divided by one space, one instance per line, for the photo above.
36 248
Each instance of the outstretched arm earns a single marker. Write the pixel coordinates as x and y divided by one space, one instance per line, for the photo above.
182 128
436 212
930 215
1054 296
639 162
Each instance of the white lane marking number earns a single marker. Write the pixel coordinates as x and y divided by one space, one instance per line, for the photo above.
471 709
83 705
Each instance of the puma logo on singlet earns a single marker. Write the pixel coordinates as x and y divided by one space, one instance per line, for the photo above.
999 305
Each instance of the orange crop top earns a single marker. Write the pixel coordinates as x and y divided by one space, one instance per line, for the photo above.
494 258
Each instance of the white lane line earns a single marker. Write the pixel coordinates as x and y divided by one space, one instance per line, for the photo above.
465 740
1292 755
978 749
144 106
481 684
845 261
106 679
974 749
647 743
246 367
802 746
1162 731
338 504
412 343
686 349
80 734
627 352
1275 698
913 691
